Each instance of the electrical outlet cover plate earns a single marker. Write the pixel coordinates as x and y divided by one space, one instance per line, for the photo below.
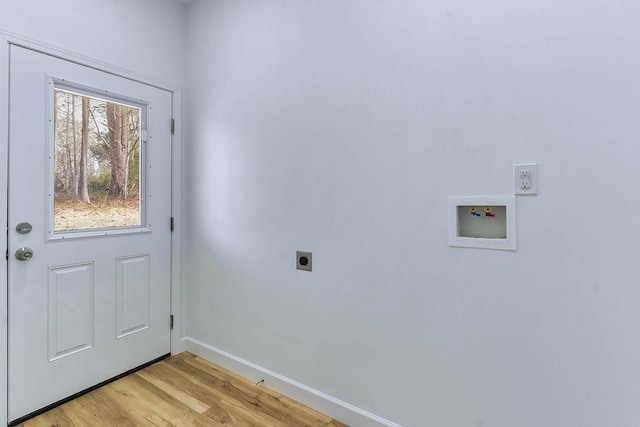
525 179
303 260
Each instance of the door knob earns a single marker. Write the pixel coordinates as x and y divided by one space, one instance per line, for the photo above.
24 254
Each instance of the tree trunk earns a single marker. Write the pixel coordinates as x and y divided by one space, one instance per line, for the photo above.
74 155
117 151
83 185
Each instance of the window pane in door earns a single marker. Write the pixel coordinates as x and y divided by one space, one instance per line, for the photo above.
96 168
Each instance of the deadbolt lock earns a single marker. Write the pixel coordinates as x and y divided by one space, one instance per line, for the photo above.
23 228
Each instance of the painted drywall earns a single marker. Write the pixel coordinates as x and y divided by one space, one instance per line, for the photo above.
340 127
144 36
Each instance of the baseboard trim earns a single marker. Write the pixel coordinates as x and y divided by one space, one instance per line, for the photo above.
315 399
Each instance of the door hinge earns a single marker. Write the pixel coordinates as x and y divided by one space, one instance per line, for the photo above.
6 255
171 321
173 126
171 224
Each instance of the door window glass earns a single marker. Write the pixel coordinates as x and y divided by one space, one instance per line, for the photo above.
97 159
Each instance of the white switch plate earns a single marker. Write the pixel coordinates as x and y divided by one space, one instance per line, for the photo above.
525 178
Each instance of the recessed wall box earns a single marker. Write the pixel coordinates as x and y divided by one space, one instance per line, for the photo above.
487 222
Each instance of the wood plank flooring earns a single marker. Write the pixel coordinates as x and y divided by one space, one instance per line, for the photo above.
183 390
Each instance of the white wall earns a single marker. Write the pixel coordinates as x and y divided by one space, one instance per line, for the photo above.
144 36
340 127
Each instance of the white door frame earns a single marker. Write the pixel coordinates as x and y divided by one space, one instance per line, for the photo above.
8 39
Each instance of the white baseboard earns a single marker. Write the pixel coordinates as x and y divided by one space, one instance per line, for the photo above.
315 399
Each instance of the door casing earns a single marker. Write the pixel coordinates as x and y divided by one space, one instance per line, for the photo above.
7 39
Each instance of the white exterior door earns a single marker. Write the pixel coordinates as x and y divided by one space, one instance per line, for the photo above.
93 299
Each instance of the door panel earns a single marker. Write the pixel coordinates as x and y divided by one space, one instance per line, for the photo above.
88 305
70 305
133 297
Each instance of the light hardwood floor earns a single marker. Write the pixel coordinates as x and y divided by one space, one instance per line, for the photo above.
183 390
